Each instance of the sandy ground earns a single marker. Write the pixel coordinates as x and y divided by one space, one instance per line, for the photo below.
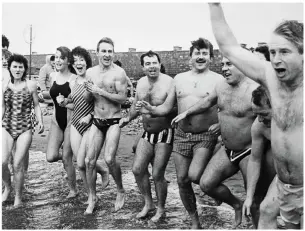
46 206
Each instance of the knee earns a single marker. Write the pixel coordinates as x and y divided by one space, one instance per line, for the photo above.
194 177
157 176
90 163
137 171
18 167
183 181
109 160
51 159
81 166
265 210
205 186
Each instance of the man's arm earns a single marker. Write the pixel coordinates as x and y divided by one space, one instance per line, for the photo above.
42 78
133 113
254 164
244 60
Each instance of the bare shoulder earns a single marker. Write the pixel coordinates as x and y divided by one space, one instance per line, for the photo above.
32 85
120 73
181 77
216 76
142 82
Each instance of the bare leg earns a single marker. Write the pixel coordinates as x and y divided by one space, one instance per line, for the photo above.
111 146
103 170
7 146
55 140
218 169
162 155
186 192
143 156
95 144
23 144
68 163
269 209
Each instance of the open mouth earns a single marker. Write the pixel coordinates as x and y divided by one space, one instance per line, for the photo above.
226 74
79 69
280 71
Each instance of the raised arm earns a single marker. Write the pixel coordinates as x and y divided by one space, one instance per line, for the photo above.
244 60
254 164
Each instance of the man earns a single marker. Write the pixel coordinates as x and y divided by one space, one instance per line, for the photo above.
261 170
283 80
107 88
235 120
155 145
195 136
44 77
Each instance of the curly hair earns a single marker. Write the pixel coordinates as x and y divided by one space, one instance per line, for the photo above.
66 53
82 52
202 43
260 97
18 59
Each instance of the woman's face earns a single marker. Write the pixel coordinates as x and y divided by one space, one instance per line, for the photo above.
79 65
17 70
61 63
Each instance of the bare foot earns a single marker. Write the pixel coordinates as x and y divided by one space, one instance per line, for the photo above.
159 214
72 194
120 200
6 193
145 211
238 215
195 221
18 202
105 178
90 207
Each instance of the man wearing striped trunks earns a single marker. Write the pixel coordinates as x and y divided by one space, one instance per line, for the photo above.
196 136
155 145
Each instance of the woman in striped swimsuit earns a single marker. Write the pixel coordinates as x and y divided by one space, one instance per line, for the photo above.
82 117
18 96
59 134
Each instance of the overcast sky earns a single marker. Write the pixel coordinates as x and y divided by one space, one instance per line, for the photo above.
144 26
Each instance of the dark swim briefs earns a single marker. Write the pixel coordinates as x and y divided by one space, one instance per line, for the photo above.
236 157
165 136
104 124
186 143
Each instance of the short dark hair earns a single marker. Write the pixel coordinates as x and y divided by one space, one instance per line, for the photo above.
117 62
162 69
292 30
260 97
79 51
5 41
200 44
104 40
19 59
263 50
149 54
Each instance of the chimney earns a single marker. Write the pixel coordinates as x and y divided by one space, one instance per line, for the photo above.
261 44
132 49
177 48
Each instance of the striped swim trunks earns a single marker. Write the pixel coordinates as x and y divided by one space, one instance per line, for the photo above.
165 136
186 143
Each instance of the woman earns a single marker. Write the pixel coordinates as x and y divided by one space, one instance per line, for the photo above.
60 124
18 96
81 118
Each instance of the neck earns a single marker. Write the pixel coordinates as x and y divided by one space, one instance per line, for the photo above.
153 80
104 68
18 81
294 84
196 71
65 71
240 82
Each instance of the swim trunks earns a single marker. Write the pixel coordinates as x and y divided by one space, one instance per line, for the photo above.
104 124
81 108
186 143
236 157
165 136
290 198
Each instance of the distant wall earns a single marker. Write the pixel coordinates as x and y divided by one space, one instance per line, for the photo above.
174 62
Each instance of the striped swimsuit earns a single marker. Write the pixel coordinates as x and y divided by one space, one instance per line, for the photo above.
17 115
81 107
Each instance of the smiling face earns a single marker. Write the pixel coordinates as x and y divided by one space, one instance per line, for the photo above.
151 66
17 70
230 72
61 63
285 59
200 59
105 54
79 65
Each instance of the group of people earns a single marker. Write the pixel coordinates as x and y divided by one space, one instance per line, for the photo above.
248 119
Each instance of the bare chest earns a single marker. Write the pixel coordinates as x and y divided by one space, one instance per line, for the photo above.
154 94
105 81
197 88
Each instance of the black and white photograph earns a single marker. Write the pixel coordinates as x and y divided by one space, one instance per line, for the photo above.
152 115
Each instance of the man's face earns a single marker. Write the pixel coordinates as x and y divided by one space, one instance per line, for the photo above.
285 59
17 70
200 59
105 54
263 113
230 72
151 66
4 62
